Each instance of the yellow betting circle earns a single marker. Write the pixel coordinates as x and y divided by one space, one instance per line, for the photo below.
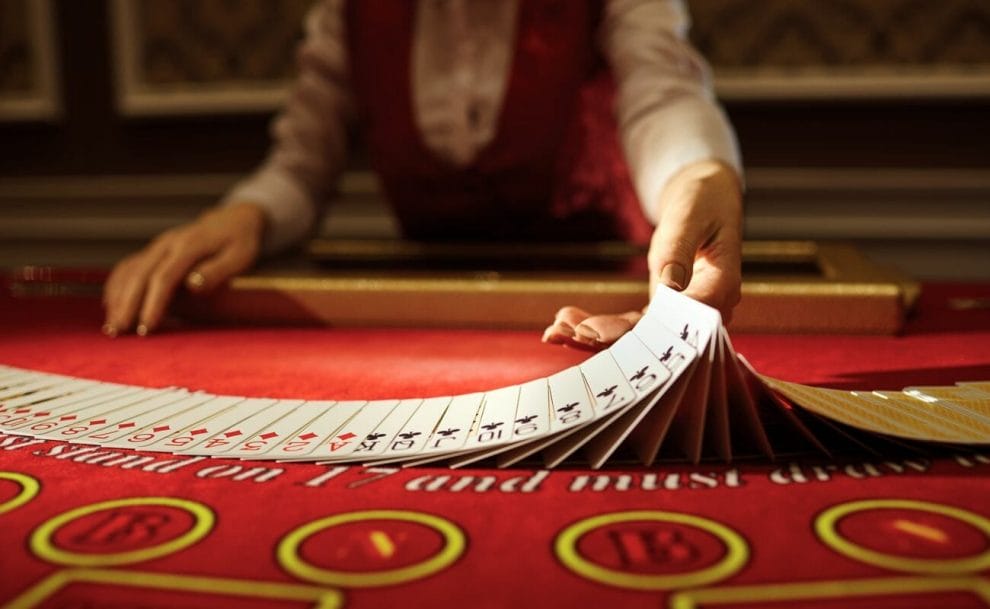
41 540
825 527
29 489
290 559
736 552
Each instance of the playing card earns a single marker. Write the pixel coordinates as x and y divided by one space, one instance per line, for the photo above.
291 415
110 419
746 430
417 430
381 437
43 417
531 423
140 417
498 411
40 396
612 395
177 424
219 430
337 433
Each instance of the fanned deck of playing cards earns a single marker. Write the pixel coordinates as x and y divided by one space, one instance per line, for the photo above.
672 387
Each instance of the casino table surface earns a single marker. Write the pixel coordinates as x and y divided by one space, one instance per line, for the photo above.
908 529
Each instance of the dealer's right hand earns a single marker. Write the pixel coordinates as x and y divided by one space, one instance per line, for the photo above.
203 254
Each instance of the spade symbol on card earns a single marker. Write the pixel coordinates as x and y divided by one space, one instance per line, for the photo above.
409 435
448 432
610 394
568 407
667 355
491 426
374 436
526 419
607 392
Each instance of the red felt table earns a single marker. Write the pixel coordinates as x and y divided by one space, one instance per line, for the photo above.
77 531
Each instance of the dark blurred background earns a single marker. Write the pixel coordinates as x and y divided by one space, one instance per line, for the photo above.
860 120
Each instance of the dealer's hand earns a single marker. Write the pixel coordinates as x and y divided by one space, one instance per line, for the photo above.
696 247
204 253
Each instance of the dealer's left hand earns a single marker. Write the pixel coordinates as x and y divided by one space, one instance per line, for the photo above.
696 248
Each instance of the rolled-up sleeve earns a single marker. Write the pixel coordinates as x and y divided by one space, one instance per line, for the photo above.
666 111
309 135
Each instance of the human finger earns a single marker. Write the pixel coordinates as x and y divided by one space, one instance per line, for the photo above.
127 288
606 329
165 278
214 271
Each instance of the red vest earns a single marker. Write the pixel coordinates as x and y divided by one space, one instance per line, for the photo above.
554 170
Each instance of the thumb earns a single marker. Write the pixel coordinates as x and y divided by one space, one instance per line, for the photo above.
673 249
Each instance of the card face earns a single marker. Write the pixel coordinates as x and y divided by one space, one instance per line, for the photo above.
137 418
97 414
418 429
382 436
569 399
25 402
335 433
643 371
297 414
176 424
498 413
647 377
533 411
607 384
30 386
456 425
243 428
681 360
46 407
531 425
612 393
103 426
220 429
36 420
697 325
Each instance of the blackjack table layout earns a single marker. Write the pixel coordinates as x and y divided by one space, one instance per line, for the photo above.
82 526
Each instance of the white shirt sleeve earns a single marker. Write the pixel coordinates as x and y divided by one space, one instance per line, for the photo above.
667 115
309 135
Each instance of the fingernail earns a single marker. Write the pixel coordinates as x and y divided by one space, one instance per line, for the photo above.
195 280
673 276
587 333
142 330
110 330
566 329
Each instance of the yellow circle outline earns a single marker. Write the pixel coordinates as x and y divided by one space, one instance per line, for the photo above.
290 560
736 552
29 489
825 528
43 547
